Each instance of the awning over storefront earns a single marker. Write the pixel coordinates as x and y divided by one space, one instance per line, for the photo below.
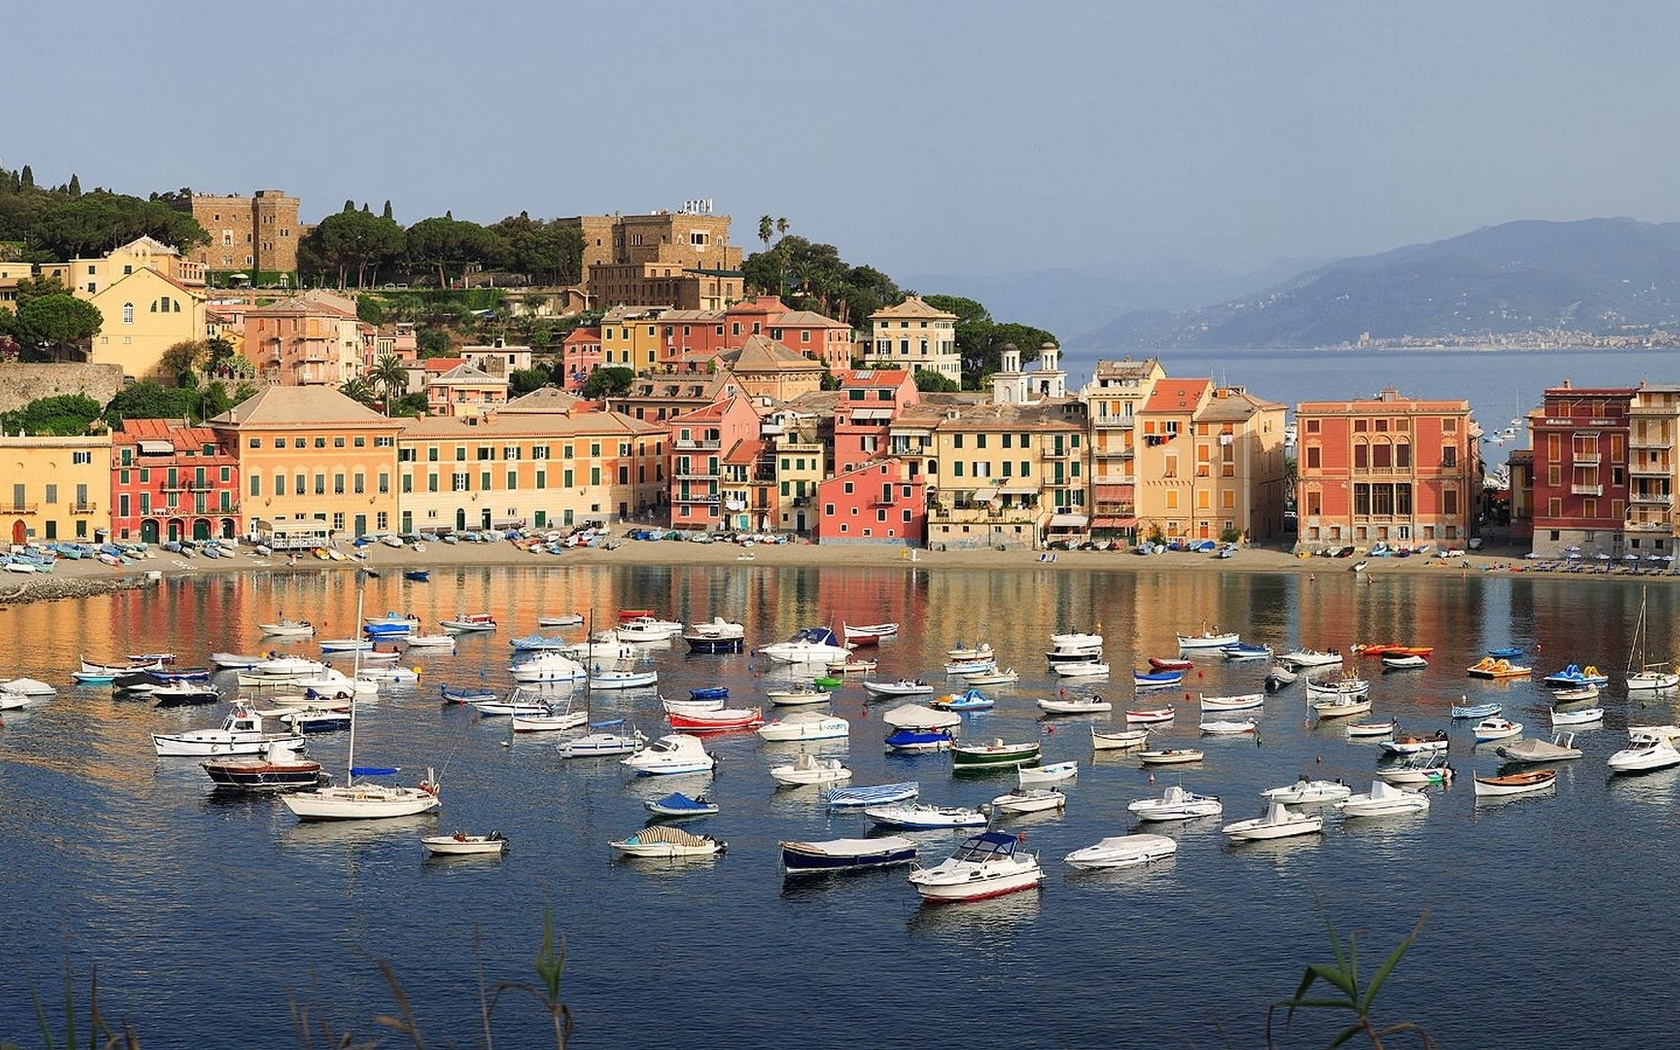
1113 522
156 448
1068 521
985 495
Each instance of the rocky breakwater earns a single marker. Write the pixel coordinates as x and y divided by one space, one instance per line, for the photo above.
45 587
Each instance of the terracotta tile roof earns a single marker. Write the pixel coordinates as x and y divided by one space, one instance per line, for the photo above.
1176 395
300 406
763 354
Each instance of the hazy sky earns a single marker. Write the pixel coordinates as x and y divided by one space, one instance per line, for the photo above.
955 137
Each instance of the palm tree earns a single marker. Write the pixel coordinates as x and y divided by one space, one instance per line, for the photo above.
390 376
782 226
359 391
766 229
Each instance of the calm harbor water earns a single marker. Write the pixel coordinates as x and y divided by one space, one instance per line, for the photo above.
205 916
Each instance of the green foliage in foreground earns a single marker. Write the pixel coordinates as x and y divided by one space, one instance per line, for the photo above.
1348 995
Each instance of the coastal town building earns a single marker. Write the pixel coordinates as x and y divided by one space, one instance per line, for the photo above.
173 482
801 464
144 314
765 368
1653 425
701 442
878 502
580 356
464 391
681 258
546 460
659 397
871 400
498 358
1114 398
55 488
256 235
1581 493
313 338
310 454
630 337
1389 469
694 337
915 337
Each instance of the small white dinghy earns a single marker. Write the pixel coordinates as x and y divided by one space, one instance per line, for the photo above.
1119 739
1054 773
809 769
805 725
1075 705
922 815
461 844
1228 727
1122 851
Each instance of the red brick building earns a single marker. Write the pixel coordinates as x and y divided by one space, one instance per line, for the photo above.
1389 469
1581 481
700 443
173 482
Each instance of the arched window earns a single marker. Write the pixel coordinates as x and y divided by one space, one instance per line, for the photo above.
128 313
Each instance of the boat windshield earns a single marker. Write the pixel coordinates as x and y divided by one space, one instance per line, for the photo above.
993 845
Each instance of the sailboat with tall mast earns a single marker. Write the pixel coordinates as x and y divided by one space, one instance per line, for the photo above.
1643 677
361 799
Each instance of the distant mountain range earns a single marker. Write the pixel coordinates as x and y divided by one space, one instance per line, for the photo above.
1521 283
1549 281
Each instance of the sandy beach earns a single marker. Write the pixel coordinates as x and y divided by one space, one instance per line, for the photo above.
78 578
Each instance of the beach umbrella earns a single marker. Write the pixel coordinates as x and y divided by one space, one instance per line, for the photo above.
1630 556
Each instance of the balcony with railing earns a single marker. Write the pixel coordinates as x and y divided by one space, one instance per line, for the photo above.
1651 470
1647 525
20 508
1586 490
83 508
1651 499
699 443
1587 459
1114 479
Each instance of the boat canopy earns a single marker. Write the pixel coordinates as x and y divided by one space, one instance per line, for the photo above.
988 845
373 771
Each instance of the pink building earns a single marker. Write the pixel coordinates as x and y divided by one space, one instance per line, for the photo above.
870 400
877 502
700 443
580 356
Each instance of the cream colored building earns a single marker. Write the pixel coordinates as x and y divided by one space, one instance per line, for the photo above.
55 488
90 276
546 460
915 337
310 453
1115 397
1209 463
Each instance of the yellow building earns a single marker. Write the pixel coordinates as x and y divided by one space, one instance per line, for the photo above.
88 277
766 368
1115 397
55 488
545 460
145 313
915 337
310 453
1209 463
630 337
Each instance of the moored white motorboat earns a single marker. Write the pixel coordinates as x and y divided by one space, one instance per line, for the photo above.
549 720
1580 717
284 628
1356 730
605 739
679 806
1489 729
1279 822
805 725
1384 800
622 677
1404 662
986 865
1030 800
807 645
669 755
1645 752
978 651
470 622
716 635
809 769
1081 669
902 687
461 844
1422 769
1176 803
561 620
1149 715
1122 851
1341 707
1209 639
1306 791
1302 659
990 678
1412 744
548 667
241 733
919 716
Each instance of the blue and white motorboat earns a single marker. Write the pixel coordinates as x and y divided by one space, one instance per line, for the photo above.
537 643
1246 651
808 645
678 806
919 741
873 795
417 575
710 692
1157 679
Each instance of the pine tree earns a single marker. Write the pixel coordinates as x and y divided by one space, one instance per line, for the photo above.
75 187
349 205
28 177
387 209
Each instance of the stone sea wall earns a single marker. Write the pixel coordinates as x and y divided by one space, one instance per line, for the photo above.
46 588
23 383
